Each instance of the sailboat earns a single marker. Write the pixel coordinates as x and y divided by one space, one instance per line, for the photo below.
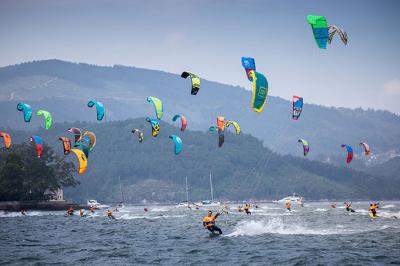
121 204
185 203
209 203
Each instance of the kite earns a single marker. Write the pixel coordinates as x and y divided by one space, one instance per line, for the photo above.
183 121
77 133
48 120
158 106
349 153
26 109
155 126
249 65
367 150
323 34
235 124
66 145
297 104
260 91
195 81
139 133
306 147
82 160
6 138
99 109
38 144
178 143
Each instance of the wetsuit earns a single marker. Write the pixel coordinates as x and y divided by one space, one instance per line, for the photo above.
246 209
209 223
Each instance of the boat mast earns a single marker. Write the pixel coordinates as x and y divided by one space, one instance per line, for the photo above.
211 188
120 189
187 192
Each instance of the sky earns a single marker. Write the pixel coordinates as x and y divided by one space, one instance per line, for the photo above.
210 37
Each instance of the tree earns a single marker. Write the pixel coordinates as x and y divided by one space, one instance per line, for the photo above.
24 176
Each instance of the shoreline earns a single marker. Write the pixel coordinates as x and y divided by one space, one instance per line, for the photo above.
16 206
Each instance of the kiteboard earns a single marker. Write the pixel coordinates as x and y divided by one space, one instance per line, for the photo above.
372 216
212 235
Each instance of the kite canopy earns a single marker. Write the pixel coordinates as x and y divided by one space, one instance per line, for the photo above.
77 133
6 138
335 29
155 126
235 124
319 26
99 108
297 104
158 106
48 120
38 145
183 121
221 123
66 144
82 160
177 142
195 81
367 150
306 147
249 65
260 91
221 137
92 139
349 153
26 109
84 145
139 134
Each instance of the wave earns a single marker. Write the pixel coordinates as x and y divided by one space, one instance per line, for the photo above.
278 226
388 206
320 210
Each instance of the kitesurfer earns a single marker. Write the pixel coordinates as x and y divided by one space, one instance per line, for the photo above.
209 223
333 205
91 209
247 209
82 213
110 214
372 208
145 209
70 211
23 212
348 207
288 205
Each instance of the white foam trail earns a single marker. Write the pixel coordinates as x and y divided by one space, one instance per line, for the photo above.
320 210
277 226
388 206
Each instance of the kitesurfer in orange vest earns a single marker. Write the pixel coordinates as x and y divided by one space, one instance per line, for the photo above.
209 223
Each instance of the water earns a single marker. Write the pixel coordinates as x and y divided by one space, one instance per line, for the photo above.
165 235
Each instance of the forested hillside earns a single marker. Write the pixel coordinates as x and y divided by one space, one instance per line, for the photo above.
64 89
241 169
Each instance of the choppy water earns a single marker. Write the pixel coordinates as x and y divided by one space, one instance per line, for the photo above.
314 234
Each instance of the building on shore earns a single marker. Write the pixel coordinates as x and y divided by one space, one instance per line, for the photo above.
54 195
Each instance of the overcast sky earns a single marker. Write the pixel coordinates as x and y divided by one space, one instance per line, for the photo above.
210 37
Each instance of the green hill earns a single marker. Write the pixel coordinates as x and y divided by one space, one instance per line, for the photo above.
64 89
241 169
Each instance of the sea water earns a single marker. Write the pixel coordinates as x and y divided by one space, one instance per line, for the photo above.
315 234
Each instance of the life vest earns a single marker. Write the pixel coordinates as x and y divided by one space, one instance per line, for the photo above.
209 221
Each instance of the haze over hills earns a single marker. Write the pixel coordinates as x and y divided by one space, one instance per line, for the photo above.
64 89
242 168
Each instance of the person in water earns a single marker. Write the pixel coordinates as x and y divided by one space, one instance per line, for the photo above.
70 211
209 223
348 207
110 214
372 209
91 209
247 209
23 212
82 213
288 205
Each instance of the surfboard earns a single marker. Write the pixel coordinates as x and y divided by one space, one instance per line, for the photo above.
373 216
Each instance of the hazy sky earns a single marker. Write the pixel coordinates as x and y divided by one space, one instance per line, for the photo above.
210 37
